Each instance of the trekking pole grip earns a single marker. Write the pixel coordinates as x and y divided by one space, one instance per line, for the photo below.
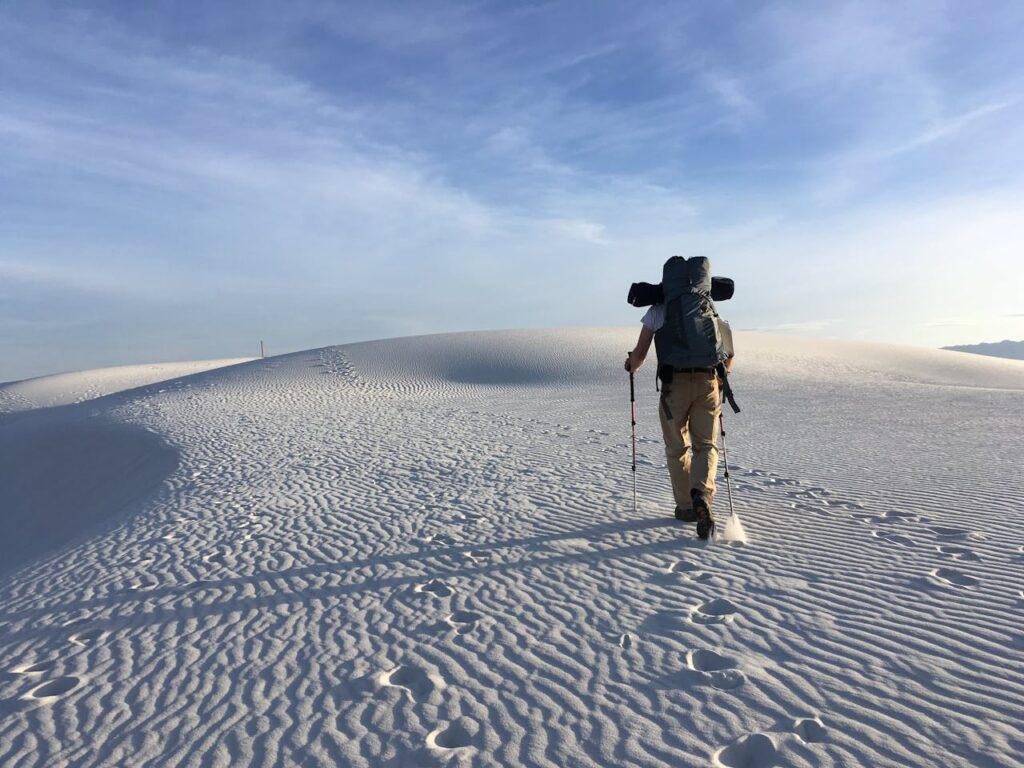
632 390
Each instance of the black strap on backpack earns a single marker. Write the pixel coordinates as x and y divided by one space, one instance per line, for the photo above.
726 389
665 374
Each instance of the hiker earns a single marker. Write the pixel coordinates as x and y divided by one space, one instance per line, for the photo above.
691 396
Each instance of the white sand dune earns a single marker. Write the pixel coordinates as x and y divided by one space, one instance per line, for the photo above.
64 388
423 552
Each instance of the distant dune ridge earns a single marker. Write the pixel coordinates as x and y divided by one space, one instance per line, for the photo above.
1013 350
423 551
64 388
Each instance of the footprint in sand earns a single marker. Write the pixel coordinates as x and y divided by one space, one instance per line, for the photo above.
143 584
954 534
805 507
52 690
34 669
719 671
955 578
893 517
475 558
440 540
435 588
962 554
688 571
805 494
252 527
86 637
220 556
754 751
458 734
810 730
894 538
717 611
852 506
901 516
463 621
417 683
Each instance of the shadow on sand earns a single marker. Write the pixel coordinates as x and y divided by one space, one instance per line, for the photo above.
63 474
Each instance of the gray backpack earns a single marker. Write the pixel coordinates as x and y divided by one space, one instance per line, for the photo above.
693 335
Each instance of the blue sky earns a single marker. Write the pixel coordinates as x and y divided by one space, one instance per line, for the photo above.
181 179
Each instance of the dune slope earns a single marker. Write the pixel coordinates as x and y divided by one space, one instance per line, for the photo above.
423 552
64 388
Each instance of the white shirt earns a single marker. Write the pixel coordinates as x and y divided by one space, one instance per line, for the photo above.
654 318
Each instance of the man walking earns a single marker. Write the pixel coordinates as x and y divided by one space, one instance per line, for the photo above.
690 348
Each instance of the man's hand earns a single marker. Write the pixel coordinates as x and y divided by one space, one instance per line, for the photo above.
636 358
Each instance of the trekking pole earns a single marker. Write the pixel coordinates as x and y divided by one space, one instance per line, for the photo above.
725 454
632 408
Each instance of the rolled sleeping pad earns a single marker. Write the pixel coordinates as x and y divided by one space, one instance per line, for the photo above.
722 288
646 294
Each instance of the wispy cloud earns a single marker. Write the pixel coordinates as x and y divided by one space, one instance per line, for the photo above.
733 95
946 128
430 150
860 164
581 229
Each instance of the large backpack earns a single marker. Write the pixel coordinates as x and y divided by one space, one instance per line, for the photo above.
692 336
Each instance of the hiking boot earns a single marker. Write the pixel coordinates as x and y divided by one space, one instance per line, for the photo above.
705 522
686 515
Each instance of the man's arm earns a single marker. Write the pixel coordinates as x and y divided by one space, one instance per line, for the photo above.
639 354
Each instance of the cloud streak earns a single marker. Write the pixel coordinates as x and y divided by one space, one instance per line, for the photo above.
355 172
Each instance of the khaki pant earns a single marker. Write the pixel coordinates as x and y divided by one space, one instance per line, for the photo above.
691 435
